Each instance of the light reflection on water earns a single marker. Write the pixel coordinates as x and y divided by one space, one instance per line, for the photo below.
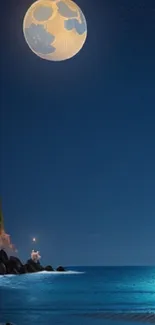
74 298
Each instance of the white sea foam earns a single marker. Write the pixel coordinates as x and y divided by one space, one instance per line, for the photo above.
58 272
69 272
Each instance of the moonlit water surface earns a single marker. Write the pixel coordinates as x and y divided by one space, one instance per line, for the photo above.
76 297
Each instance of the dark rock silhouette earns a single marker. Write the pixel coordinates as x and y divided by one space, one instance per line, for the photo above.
13 265
36 267
17 261
30 268
60 269
24 269
14 271
2 268
3 256
48 268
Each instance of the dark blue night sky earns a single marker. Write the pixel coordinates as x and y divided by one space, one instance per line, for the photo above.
77 139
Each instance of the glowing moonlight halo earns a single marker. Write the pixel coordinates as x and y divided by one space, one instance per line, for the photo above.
55 30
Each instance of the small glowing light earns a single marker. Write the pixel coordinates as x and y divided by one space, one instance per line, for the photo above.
34 239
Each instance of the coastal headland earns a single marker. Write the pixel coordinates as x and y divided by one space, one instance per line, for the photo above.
13 265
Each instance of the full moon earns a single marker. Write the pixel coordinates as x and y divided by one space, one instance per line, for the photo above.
55 30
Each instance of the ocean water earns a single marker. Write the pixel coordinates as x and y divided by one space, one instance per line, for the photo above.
81 296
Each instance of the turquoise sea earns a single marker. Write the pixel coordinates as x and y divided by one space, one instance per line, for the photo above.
82 296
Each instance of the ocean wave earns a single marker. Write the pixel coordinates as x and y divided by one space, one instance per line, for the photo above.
69 272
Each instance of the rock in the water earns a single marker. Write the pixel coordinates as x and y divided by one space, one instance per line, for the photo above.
48 268
3 256
30 268
13 265
36 266
14 271
10 267
13 258
2 268
16 262
60 269
23 269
